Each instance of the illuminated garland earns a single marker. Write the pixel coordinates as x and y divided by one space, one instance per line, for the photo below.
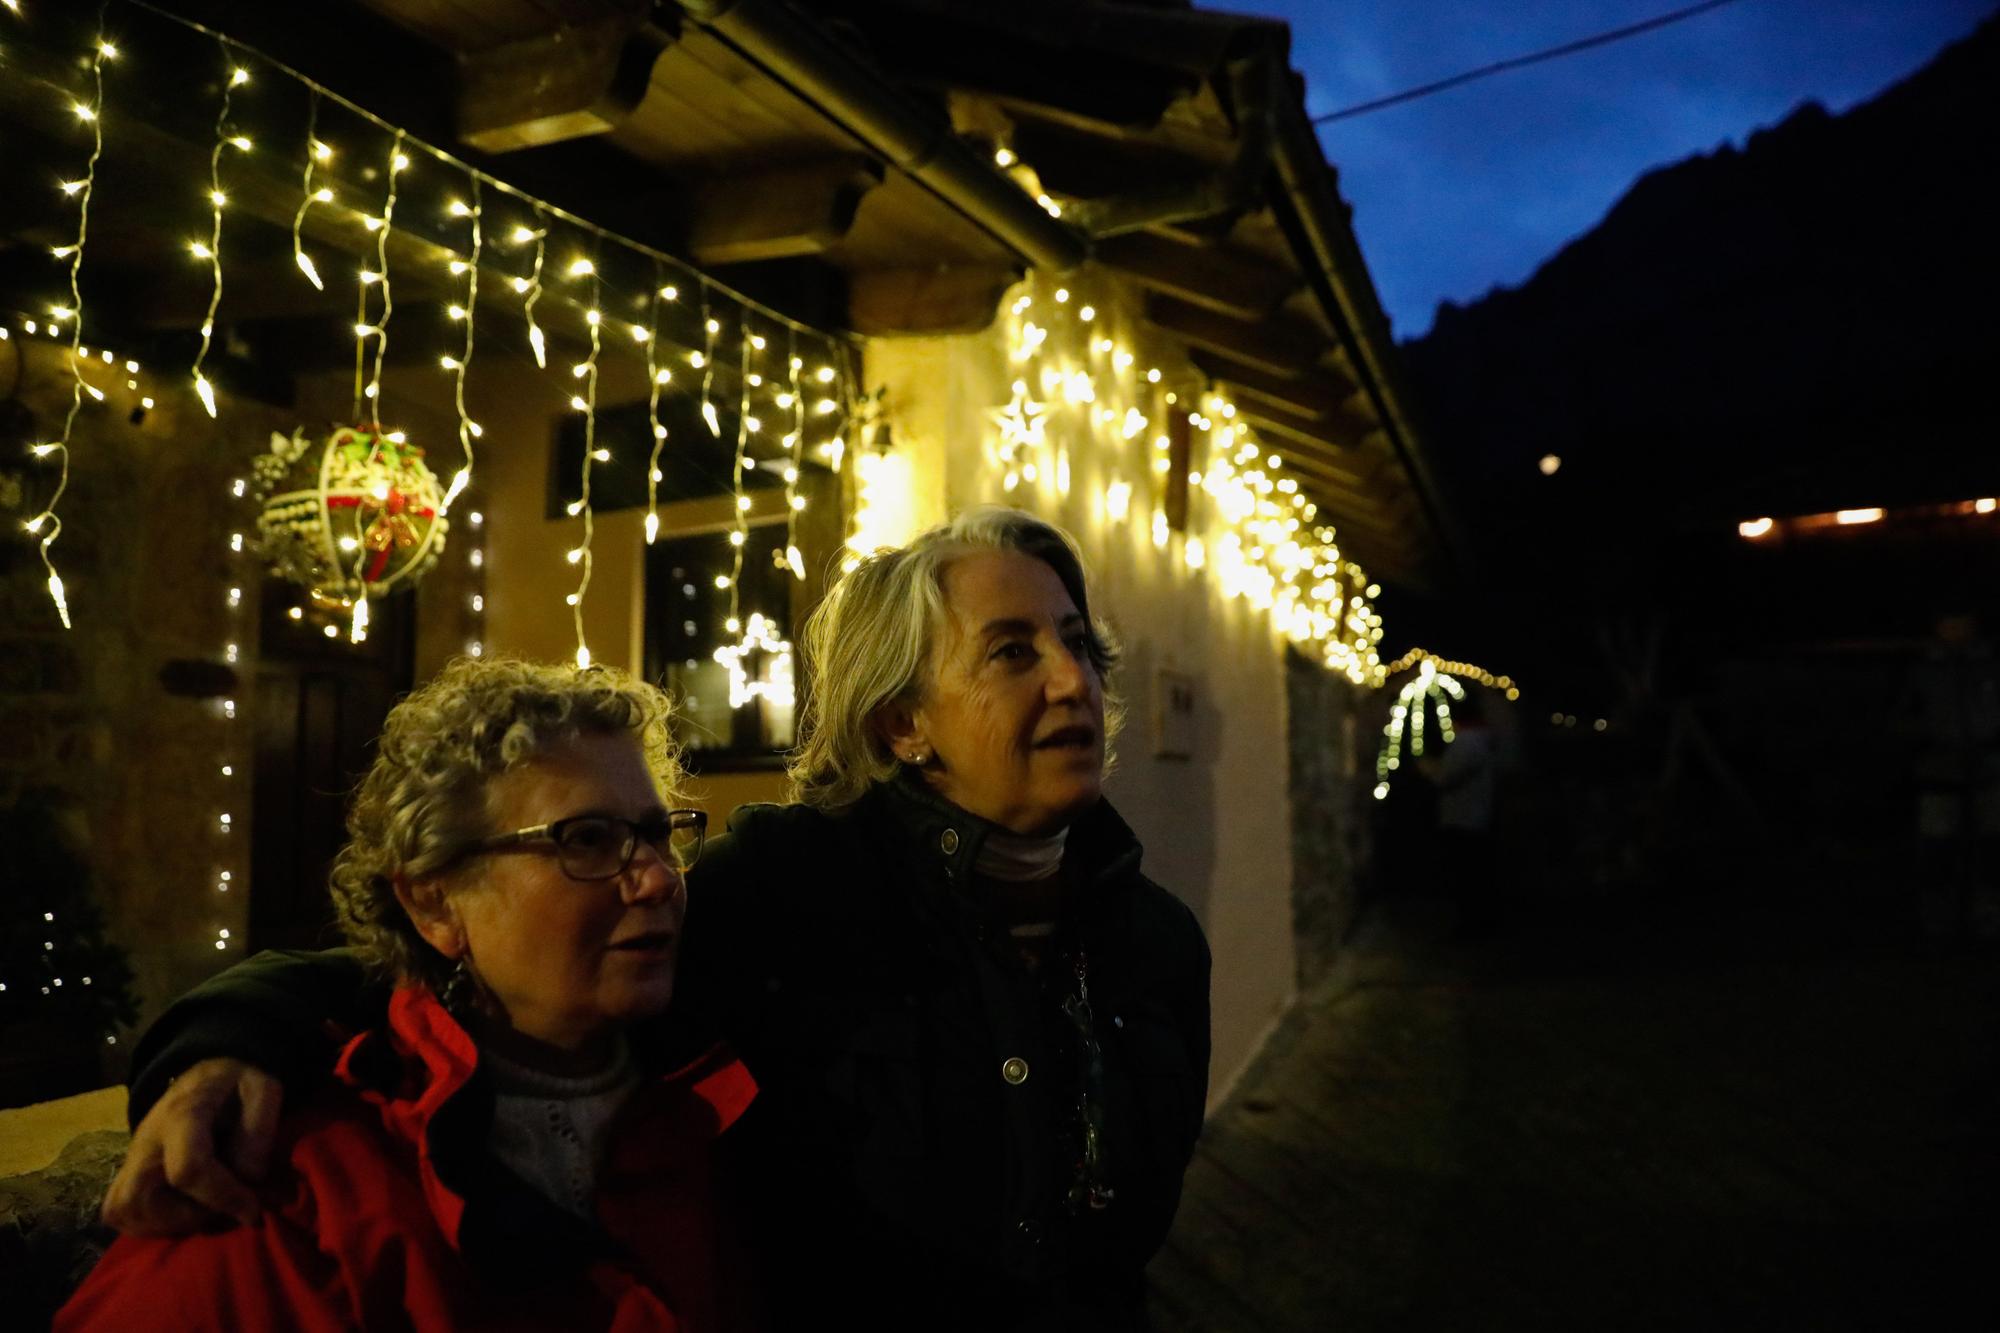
475 560
1249 527
794 398
91 113
1467 670
316 154
1431 686
226 832
739 531
461 365
378 328
313 176
586 403
211 250
657 378
776 684
530 287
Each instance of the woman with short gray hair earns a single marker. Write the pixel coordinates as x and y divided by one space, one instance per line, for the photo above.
513 870
981 1035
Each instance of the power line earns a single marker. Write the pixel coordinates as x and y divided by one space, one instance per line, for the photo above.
1521 62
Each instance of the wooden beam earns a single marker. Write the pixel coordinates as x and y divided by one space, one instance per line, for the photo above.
1276 421
1205 275
893 302
1321 396
1342 428
1329 473
1282 346
780 213
579 80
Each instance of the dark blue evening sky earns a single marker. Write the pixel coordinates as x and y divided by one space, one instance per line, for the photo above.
1473 188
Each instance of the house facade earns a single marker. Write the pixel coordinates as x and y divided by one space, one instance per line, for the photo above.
685 307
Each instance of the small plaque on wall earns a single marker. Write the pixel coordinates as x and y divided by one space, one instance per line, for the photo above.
1173 714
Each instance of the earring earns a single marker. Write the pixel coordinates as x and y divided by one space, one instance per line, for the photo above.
459 988
918 757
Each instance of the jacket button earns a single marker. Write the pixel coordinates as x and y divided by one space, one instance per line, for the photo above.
1014 1070
948 841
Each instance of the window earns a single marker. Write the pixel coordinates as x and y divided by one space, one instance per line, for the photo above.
737 710
739 713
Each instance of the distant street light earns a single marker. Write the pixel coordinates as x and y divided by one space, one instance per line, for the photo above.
1549 464
1754 528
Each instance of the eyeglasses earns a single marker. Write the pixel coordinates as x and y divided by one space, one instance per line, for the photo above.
591 847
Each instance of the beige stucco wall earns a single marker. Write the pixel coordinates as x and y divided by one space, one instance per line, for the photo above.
1215 824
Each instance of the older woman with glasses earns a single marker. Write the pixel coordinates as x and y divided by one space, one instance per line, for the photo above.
980 1033
501 1149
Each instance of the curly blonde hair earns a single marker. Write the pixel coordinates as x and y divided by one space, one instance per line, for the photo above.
424 800
870 641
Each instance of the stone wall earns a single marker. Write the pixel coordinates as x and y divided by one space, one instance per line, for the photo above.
87 715
1329 820
50 1237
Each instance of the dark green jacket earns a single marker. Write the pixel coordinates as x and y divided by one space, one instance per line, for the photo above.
894 1175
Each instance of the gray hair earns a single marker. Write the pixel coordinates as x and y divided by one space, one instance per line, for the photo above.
870 642
424 800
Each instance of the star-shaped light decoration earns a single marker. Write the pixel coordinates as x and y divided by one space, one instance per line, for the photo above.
759 665
1023 424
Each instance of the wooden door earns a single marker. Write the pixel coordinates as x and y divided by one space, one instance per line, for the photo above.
319 705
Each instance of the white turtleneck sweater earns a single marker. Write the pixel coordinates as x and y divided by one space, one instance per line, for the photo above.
550 1130
1015 860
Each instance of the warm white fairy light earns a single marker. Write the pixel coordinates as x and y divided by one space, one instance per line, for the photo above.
581 556
657 377
705 359
739 534
379 277
468 429
314 190
238 76
228 747
884 505
530 287
475 560
1250 532
368 395
45 523
316 153
1023 424
1433 686
795 503
775 682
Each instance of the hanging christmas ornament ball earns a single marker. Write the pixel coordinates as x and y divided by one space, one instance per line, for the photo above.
355 517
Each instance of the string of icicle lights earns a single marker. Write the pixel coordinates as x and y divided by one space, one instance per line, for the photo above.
46 524
334 182
1248 526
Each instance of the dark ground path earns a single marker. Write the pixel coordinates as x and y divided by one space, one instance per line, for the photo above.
1608 1124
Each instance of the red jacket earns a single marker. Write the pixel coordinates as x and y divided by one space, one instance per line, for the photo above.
392 1214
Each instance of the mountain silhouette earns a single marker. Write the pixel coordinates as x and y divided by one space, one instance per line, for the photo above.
1801 324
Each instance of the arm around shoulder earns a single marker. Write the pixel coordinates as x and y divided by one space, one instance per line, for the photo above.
273 1011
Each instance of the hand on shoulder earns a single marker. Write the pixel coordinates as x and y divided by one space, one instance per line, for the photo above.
199 1153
